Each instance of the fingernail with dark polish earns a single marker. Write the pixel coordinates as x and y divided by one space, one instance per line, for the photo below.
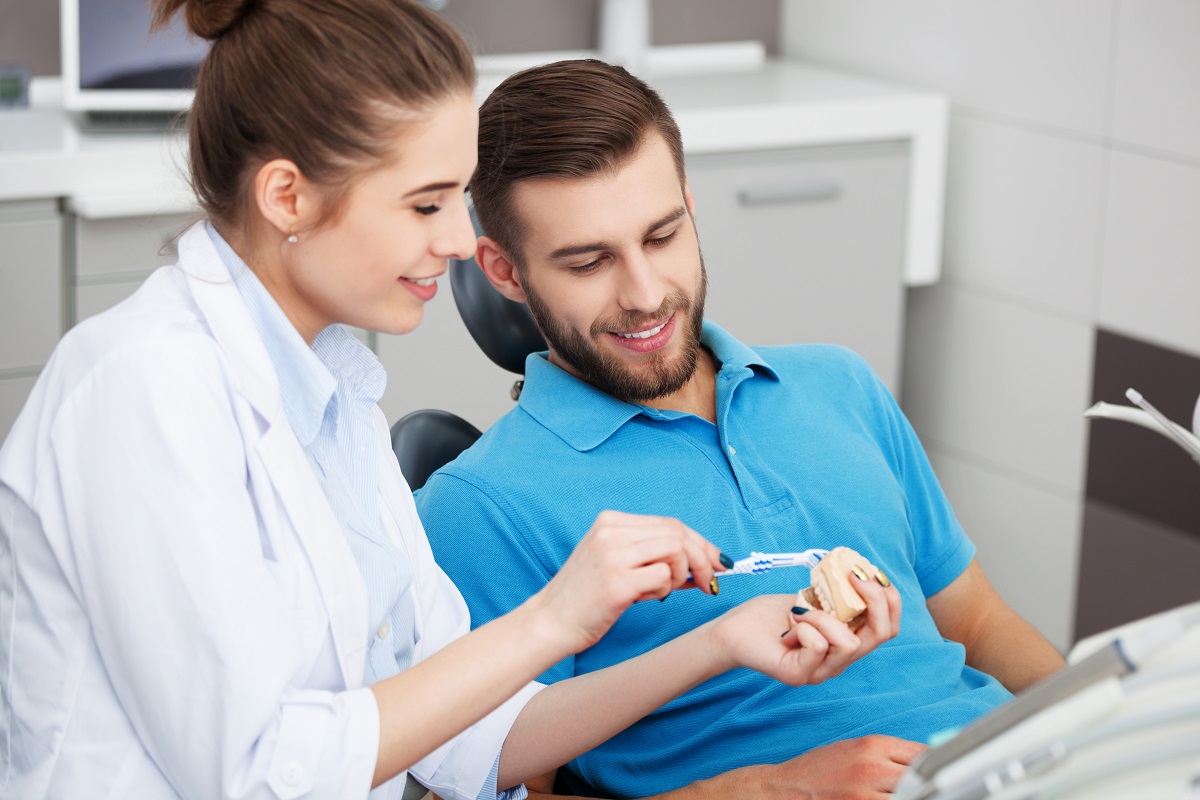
726 561
798 610
785 633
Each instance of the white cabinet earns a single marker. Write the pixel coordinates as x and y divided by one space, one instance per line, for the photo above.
439 366
31 298
112 256
807 245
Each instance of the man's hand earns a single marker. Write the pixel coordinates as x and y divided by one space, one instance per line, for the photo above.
854 769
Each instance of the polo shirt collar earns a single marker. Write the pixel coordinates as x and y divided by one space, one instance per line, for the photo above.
585 417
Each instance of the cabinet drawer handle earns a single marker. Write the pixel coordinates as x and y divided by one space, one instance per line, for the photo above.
804 193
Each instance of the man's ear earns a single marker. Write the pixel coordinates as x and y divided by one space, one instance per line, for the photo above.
284 197
498 268
688 199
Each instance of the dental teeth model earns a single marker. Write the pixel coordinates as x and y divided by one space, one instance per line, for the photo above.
831 590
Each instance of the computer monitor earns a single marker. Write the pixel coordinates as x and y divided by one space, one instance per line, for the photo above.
111 62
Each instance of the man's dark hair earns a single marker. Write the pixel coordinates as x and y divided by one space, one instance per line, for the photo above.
570 119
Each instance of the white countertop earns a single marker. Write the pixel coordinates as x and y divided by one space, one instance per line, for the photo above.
780 104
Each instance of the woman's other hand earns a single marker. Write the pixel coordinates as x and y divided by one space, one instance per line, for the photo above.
813 646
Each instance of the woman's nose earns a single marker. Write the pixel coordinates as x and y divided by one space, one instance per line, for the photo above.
457 238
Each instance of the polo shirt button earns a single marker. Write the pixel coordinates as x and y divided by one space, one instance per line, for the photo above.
732 451
383 631
292 774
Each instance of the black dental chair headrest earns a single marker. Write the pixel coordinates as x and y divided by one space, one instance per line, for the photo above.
503 329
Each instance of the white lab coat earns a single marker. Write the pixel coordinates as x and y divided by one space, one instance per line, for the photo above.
180 614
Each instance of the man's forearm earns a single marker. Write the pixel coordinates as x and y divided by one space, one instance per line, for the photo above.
1014 653
998 641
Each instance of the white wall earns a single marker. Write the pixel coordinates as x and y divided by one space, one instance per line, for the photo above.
1073 202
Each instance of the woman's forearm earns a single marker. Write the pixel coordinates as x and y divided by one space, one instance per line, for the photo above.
425 706
573 716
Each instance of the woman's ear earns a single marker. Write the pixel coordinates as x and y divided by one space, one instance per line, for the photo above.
498 268
284 197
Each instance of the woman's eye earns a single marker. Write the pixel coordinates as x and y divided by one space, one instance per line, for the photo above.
427 210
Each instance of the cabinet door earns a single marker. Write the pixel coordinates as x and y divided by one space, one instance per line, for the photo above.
439 366
807 245
31 270
113 257
14 391
31 298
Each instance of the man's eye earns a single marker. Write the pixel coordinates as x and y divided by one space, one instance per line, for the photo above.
427 210
663 239
585 268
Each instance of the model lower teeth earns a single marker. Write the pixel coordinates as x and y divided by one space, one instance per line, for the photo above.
642 334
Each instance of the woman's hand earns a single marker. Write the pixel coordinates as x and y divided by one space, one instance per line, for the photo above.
814 645
624 558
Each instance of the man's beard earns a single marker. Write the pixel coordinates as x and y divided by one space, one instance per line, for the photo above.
604 370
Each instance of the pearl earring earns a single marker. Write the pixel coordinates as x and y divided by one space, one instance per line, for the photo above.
293 238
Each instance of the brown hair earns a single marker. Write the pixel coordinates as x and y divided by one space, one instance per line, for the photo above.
323 83
571 119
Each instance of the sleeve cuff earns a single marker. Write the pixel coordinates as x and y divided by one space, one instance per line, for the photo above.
488 792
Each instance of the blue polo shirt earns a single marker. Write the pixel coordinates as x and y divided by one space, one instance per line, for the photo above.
809 450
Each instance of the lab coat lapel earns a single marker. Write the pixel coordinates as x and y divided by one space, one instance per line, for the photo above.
286 465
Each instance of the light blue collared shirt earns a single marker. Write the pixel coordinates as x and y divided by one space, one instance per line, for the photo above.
329 393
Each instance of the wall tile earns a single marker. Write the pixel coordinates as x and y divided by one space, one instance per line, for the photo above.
1154 565
1028 540
1040 62
1150 268
998 381
1157 75
1023 213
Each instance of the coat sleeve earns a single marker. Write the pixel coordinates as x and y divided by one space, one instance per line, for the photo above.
460 768
193 611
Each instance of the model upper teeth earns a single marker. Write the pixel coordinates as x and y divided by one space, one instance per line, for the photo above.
423 281
646 334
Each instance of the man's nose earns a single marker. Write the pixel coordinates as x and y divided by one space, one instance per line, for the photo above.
641 287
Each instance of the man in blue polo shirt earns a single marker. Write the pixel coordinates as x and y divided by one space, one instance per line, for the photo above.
641 405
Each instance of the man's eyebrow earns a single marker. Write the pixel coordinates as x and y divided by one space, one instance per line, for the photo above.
666 219
434 187
592 247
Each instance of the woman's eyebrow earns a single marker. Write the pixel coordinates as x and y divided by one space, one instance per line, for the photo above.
434 187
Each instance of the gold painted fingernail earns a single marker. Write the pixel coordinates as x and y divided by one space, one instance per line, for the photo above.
883 579
857 570
712 585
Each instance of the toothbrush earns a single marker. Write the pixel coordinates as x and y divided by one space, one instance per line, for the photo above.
758 563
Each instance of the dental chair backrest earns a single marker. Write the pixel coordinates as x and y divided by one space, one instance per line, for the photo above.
503 329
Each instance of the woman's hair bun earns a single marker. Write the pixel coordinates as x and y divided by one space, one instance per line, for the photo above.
207 19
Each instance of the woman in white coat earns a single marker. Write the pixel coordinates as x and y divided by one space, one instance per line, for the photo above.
213 579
